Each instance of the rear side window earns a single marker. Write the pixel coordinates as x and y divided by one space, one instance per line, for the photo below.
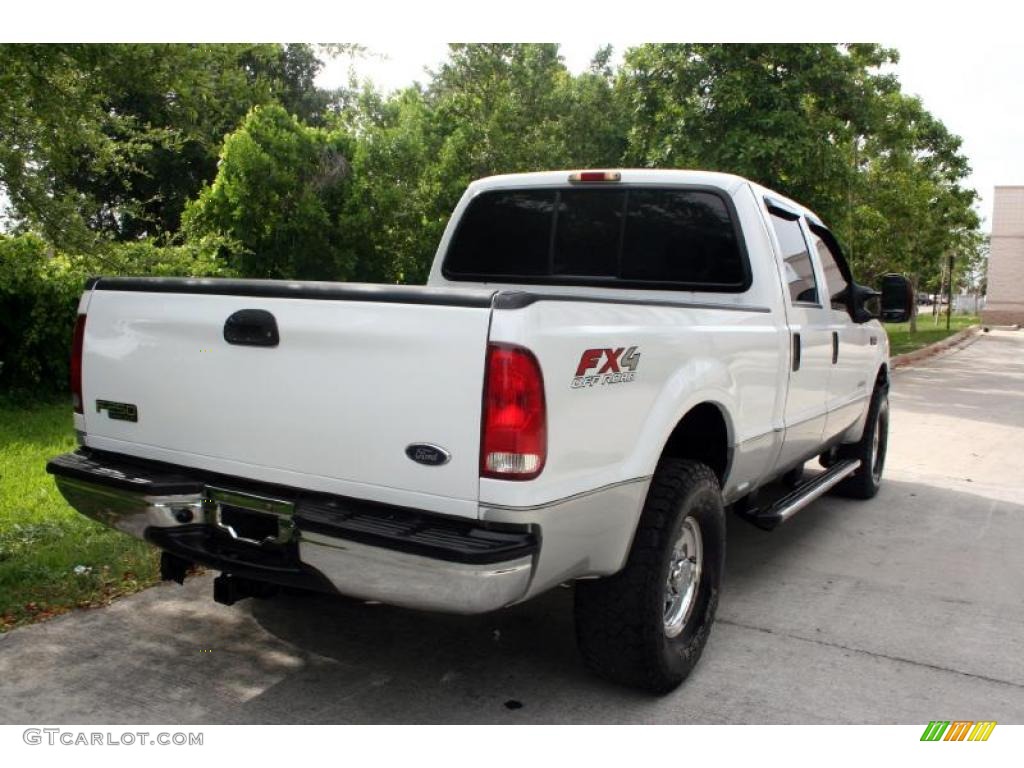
639 237
796 259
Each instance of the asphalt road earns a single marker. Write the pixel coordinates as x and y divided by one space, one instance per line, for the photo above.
904 609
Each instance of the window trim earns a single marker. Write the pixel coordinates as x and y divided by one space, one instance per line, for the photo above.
780 210
832 243
609 281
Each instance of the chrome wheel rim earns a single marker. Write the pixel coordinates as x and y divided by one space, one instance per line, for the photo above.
683 578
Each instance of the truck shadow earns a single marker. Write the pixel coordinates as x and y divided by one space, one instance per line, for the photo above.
879 611
374 663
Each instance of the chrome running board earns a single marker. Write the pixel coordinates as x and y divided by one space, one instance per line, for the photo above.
780 511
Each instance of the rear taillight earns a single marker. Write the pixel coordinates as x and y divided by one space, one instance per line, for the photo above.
76 363
514 442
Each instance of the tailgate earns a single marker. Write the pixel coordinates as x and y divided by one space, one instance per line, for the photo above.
358 375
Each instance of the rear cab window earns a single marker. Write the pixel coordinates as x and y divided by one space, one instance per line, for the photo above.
638 237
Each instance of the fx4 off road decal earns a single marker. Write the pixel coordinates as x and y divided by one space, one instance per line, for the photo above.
600 367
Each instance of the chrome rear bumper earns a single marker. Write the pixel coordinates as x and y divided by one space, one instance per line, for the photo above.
411 581
399 557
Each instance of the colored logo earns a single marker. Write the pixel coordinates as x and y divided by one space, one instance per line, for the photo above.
609 366
958 730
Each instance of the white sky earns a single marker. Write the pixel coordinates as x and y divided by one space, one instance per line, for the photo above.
976 88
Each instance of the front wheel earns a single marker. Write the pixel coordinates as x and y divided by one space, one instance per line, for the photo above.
870 449
646 626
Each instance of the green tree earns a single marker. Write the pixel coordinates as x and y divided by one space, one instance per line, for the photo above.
495 101
489 109
511 107
110 141
819 122
278 199
592 120
787 116
101 143
392 208
911 212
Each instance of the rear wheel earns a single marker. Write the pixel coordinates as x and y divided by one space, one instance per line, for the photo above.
870 449
646 626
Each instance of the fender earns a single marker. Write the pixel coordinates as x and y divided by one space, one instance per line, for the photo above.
701 380
856 430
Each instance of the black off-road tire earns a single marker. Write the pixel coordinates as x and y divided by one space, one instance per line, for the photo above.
620 619
865 482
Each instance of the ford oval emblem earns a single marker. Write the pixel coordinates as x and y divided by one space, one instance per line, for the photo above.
425 453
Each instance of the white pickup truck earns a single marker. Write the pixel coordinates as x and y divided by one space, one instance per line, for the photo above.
601 364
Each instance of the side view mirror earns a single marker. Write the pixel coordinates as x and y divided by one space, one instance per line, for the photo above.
866 303
897 299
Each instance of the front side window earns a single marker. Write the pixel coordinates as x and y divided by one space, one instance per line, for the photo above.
638 237
836 285
796 260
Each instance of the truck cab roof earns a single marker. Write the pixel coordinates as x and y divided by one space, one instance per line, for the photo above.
727 182
653 176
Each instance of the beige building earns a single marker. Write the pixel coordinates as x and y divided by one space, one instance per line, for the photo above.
1004 303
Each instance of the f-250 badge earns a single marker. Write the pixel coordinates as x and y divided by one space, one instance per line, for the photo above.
601 367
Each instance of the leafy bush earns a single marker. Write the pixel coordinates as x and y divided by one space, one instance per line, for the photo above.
39 293
279 197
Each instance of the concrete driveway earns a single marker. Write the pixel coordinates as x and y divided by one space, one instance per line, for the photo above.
905 609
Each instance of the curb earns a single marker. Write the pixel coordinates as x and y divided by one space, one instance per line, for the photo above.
959 339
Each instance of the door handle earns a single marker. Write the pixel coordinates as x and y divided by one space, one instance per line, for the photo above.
835 347
796 351
252 328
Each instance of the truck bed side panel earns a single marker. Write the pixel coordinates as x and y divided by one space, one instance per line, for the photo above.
605 430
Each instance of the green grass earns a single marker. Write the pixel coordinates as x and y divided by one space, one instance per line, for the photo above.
928 332
43 540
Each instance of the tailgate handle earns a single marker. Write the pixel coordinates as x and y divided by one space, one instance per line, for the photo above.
252 328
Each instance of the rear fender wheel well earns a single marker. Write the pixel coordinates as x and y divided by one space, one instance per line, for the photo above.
701 435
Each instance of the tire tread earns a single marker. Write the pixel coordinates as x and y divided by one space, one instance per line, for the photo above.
861 485
617 640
